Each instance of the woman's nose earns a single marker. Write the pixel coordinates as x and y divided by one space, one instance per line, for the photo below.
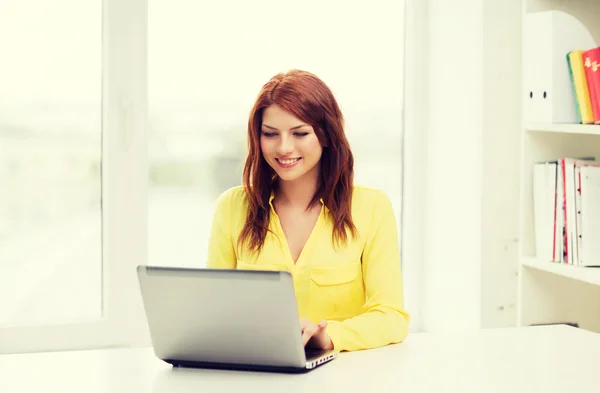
286 146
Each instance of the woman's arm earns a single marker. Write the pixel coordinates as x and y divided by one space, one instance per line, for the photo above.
221 253
385 320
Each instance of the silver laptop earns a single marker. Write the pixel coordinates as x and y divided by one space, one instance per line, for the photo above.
226 319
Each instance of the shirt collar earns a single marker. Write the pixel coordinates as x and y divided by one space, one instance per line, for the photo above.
272 196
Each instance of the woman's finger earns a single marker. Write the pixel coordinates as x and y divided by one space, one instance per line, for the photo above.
308 333
304 323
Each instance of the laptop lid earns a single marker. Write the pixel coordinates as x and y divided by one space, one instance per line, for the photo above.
222 316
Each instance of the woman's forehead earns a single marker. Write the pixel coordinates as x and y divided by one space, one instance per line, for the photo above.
276 117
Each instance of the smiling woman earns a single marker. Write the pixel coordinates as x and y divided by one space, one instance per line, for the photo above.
298 205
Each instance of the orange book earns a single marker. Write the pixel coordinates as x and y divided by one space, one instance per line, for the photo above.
591 63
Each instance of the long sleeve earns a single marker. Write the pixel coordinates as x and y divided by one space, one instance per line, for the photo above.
384 321
221 253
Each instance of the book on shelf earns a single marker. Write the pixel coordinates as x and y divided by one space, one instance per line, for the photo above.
584 72
566 201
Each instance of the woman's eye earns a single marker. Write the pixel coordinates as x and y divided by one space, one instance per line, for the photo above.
269 134
301 134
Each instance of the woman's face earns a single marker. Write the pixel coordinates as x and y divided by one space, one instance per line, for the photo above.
289 145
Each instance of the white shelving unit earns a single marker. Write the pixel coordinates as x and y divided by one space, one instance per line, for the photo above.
551 292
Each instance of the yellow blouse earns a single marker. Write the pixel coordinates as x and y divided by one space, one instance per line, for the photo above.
356 287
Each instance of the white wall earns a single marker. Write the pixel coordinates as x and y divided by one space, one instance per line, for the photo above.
471 54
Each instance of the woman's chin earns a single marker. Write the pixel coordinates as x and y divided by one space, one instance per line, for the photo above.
286 176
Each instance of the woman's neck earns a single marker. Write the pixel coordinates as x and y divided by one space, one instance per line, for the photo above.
297 193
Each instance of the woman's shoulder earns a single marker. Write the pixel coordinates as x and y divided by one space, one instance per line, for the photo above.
372 208
370 201
368 195
232 201
233 194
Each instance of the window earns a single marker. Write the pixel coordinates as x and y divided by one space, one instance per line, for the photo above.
207 62
50 155
61 269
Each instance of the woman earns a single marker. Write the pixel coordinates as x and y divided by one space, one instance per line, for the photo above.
298 210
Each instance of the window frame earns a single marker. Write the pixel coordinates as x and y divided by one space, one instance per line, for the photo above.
414 159
124 203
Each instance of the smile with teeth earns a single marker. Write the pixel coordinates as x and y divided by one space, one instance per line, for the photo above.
288 161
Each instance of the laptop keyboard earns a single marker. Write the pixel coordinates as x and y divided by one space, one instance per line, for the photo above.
312 353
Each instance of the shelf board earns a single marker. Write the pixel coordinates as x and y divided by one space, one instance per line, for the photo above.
590 275
566 128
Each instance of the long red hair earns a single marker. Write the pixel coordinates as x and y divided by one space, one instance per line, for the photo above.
310 100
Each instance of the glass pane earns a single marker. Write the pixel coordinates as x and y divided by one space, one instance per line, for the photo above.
207 63
50 155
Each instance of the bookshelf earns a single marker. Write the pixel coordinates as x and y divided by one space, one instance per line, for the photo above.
554 292
565 128
589 275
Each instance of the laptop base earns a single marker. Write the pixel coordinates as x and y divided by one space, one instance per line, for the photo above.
240 367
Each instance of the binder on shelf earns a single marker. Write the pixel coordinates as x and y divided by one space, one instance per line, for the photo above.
590 216
548 37
544 202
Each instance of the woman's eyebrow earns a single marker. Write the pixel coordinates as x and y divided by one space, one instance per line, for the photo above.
293 128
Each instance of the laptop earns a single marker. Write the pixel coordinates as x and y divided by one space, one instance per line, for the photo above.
226 319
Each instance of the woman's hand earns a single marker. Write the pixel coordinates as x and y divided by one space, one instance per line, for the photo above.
314 335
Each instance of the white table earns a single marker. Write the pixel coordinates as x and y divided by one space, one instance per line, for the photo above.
541 359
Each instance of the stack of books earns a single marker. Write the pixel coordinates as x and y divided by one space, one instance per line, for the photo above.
585 79
566 197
